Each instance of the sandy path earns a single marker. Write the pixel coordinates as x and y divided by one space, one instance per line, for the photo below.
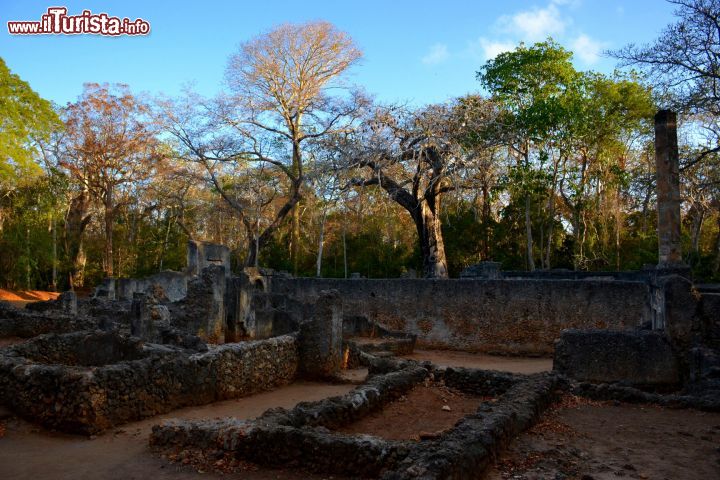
27 452
449 358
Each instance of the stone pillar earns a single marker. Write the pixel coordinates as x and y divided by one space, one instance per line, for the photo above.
320 342
193 263
140 318
668 190
68 302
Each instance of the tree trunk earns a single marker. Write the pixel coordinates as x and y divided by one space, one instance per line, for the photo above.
54 250
697 214
257 240
528 236
486 221
109 219
431 241
321 244
76 221
295 234
344 242
252 257
716 266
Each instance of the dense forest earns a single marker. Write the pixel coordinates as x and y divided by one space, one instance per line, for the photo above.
296 169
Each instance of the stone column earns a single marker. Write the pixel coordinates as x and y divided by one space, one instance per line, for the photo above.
668 190
140 318
320 341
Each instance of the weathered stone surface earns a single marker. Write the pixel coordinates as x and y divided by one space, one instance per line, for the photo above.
202 311
622 393
201 255
667 169
643 359
476 440
710 318
336 412
141 324
300 437
68 302
480 382
681 310
26 323
704 369
320 340
86 382
497 316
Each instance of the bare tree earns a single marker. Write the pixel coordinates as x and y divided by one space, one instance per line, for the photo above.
279 100
685 59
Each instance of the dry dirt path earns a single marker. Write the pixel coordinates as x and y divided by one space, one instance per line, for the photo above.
449 358
28 452
602 441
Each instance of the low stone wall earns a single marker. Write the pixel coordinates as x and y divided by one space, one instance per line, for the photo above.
15 322
493 316
85 382
300 437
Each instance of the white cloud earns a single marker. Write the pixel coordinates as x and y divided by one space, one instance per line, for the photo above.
438 53
569 3
587 49
485 49
534 25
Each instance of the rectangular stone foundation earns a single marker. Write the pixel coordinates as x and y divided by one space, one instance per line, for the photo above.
86 382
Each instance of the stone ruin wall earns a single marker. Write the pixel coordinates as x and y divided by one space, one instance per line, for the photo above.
85 382
492 316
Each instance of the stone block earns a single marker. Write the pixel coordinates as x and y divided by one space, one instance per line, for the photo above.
640 358
321 338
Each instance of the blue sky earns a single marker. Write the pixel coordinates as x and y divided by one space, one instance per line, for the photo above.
415 51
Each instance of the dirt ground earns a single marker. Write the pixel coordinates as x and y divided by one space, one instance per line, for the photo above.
29 452
449 358
418 414
7 341
21 298
587 440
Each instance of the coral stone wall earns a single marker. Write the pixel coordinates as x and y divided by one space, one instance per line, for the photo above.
508 316
45 380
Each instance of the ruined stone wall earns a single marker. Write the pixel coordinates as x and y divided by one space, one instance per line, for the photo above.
46 381
499 316
26 323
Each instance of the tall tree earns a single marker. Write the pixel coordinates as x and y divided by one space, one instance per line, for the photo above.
109 143
417 157
25 118
279 100
529 82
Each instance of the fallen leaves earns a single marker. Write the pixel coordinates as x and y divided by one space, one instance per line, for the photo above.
217 461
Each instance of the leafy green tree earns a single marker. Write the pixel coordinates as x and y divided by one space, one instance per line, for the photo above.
529 83
25 117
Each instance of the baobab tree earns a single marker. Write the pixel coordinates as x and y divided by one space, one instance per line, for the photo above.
418 156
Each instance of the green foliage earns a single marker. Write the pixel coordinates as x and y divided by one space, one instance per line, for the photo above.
24 118
26 239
